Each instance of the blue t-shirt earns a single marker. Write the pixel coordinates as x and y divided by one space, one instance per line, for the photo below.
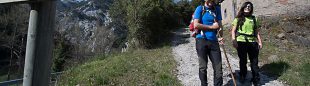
208 19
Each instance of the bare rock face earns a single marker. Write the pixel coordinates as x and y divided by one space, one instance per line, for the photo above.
87 23
295 30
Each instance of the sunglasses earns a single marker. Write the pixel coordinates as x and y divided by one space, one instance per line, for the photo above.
248 6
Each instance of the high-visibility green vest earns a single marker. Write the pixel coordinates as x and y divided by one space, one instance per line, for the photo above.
247 32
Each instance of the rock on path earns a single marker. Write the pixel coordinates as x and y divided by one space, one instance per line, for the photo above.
187 70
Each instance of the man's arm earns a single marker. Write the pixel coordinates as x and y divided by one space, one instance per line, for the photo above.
221 28
199 26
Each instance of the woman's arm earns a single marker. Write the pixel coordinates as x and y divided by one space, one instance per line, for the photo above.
233 36
233 33
259 40
199 26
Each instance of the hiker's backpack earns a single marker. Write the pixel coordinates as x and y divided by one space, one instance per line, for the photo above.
254 34
191 26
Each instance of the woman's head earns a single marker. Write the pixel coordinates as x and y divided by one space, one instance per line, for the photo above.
246 9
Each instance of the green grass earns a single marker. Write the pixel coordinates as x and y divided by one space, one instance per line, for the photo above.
267 50
305 73
299 73
292 63
13 76
3 78
139 67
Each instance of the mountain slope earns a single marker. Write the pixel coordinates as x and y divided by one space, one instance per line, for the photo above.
86 23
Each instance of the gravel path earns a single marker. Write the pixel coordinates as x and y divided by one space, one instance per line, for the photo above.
187 71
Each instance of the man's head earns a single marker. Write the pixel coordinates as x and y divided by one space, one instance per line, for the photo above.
209 3
216 2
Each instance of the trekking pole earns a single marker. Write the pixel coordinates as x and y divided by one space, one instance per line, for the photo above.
231 72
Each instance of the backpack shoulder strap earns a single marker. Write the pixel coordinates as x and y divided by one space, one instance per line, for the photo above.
237 28
203 10
202 13
254 26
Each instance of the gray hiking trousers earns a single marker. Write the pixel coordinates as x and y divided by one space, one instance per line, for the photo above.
211 49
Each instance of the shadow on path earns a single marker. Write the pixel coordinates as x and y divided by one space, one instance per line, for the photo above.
268 73
275 69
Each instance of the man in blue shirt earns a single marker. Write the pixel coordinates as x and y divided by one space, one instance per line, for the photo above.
211 15
206 19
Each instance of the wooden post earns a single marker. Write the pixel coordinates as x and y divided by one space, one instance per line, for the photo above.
39 58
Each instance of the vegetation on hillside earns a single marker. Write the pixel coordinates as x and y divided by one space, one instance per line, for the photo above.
139 67
142 23
286 52
149 22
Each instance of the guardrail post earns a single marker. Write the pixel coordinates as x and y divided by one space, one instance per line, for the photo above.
39 43
30 47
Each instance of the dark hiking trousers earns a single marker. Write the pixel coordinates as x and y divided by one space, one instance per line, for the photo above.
209 49
250 49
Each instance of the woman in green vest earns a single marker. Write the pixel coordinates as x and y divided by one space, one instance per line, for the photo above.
247 40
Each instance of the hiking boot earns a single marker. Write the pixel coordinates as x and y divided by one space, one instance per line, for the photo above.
255 82
242 79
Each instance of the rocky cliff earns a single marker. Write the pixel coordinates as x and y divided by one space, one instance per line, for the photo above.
86 23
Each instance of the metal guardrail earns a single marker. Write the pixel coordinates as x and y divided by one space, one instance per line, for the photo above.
54 77
11 82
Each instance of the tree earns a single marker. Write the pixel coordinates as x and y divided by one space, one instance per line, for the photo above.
13 33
